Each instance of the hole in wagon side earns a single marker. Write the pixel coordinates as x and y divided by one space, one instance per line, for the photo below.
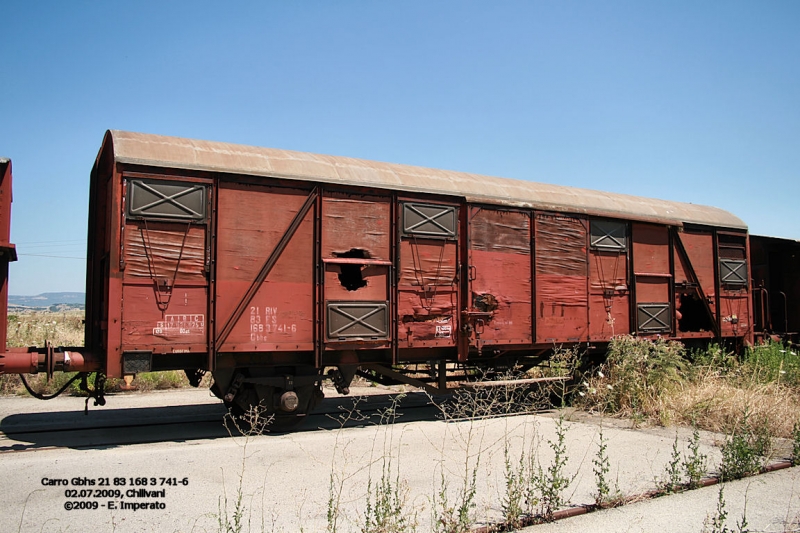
350 273
693 314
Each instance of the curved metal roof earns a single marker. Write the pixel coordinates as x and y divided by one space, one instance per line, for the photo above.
189 154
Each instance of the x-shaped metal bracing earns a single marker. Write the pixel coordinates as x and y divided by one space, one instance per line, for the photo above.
737 273
653 318
169 199
426 219
356 320
616 242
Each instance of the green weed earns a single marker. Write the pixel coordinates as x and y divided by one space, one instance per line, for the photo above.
454 517
340 472
554 482
772 362
513 501
605 494
694 464
720 516
387 510
745 449
522 496
231 515
718 522
672 474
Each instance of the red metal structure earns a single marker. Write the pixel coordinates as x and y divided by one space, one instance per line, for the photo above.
775 287
8 252
266 266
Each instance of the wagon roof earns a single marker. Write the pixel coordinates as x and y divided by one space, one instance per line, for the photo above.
784 240
189 154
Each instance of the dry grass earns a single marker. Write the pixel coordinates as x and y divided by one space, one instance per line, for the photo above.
655 382
33 328
65 328
717 405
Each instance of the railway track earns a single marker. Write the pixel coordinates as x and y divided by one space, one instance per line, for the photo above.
105 427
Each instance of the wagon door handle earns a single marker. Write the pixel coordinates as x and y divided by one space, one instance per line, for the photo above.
473 273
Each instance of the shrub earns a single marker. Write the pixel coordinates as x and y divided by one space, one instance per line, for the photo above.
772 362
635 376
745 449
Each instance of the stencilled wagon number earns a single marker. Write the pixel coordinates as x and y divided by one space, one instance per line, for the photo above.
444 332
264 320
188 324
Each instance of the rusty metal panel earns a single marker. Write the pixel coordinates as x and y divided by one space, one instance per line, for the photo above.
427 294
699 247
609 316
734 299
608 271
653 318
148 198
251 221
173 152
164 322
5 208
98 253
560 245
356 251
500 272
355 226
561 277
493 230
651 266
163 250
350 320
609 294
651 249
695 284
8 251
652 289
111 219
427 264
734 312
428 220
732 246
164 292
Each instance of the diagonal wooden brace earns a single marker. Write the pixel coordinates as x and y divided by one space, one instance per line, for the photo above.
266 268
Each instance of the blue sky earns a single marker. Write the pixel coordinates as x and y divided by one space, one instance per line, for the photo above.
681 100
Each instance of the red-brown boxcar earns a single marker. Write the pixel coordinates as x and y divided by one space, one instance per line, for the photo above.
775 284
266 266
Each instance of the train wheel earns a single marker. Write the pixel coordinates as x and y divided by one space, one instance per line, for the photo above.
269 407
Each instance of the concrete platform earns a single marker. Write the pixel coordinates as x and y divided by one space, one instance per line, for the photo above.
286 479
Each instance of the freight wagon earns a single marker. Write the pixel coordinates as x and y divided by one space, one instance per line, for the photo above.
267 266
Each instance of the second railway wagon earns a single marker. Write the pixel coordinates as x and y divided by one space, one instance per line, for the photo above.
267 266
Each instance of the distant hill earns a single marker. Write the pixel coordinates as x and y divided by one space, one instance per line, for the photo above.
49 299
